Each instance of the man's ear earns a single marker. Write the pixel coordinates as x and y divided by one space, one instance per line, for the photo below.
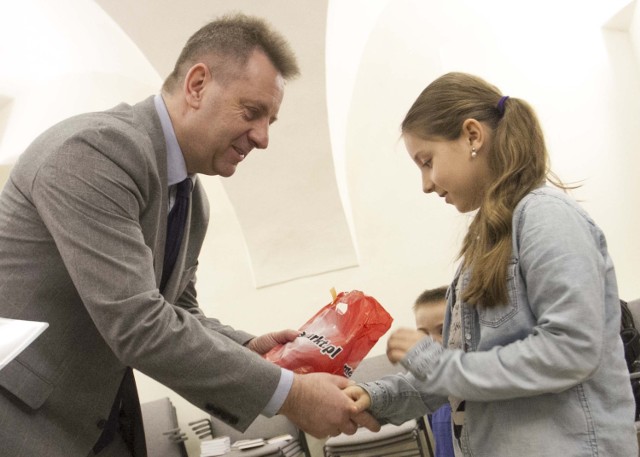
475 132
194 83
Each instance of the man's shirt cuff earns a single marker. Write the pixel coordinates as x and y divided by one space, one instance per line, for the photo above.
280 395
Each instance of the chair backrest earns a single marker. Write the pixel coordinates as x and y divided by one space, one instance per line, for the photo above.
634 307
159 417
375 367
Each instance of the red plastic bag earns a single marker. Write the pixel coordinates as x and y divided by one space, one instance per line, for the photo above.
337 338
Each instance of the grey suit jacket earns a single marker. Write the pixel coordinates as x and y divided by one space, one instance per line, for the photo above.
82 234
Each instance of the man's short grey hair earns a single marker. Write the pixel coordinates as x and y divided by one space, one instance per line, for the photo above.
230 40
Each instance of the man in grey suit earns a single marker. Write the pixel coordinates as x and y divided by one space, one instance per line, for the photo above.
83 228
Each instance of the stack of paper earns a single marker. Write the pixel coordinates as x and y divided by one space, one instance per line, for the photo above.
248 444
281 447
15 335
216 446
279 438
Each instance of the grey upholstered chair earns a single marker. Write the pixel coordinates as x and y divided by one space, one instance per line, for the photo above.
162 434
265 428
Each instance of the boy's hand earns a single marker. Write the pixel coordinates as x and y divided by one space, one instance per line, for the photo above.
401 341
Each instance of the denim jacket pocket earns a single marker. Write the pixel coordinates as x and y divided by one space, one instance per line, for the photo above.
497 315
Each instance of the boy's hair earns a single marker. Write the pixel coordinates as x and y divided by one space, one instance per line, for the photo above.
231 39
518 163
431 296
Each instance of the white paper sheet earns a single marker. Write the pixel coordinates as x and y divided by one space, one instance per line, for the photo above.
15 336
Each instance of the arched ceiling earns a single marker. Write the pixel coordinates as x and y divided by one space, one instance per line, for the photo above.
285 198
290 209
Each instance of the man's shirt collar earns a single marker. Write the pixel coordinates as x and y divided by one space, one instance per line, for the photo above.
176 166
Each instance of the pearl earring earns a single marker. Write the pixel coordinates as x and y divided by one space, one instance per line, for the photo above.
474 154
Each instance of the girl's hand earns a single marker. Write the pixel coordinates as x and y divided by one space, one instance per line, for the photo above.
359 396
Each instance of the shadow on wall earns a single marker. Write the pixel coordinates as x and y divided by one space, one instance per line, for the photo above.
5 112
4 174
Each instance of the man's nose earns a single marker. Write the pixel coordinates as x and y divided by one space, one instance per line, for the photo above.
259 135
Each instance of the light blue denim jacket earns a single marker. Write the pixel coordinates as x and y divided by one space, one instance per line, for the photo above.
544 375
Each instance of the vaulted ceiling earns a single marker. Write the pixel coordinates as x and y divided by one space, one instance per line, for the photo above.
290 201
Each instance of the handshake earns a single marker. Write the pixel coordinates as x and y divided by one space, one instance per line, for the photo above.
320 404
325 405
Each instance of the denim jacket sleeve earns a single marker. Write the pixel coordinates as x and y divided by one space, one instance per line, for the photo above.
400 397
554 340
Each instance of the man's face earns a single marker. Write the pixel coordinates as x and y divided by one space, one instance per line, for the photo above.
233 117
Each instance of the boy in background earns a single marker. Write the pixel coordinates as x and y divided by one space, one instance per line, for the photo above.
429 309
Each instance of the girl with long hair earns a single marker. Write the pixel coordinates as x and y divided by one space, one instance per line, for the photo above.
531 361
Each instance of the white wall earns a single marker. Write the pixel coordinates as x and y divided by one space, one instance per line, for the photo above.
581 79
634 31
56 65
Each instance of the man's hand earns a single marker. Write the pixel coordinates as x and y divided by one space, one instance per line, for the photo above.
401 341
263 344
317 405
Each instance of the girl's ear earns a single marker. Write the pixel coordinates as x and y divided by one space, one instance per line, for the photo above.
475 132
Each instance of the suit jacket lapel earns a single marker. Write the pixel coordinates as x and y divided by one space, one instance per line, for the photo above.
147 117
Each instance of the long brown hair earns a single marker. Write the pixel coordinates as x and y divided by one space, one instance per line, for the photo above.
518 162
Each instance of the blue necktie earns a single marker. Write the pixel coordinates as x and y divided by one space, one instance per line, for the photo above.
175 229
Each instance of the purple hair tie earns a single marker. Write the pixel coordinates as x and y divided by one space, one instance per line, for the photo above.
501 104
